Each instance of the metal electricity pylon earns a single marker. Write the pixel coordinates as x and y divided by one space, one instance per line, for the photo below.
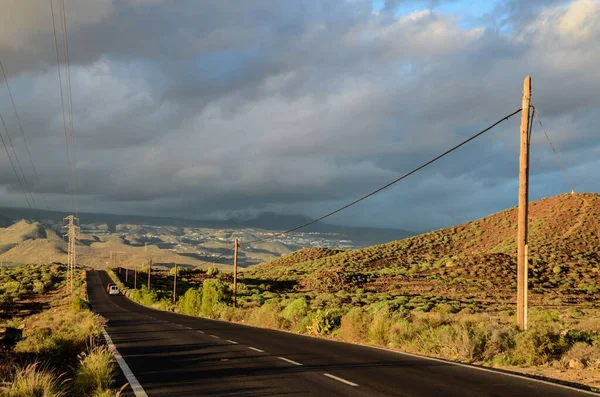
71 258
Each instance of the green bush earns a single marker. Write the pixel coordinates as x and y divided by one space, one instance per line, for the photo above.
379 327
191 302
212 271
538 346
323 322
266 316
294 313
213 293
39 287
79 304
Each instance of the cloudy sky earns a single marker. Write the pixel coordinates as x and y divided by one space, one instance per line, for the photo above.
218 108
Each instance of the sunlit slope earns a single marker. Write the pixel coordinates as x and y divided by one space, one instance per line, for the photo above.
30 242
474 258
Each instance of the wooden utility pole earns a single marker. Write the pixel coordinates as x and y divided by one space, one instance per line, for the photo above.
135 277
525 293
175 284
149 272
235 258
126 272
523 203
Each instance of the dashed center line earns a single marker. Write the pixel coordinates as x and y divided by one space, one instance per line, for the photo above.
232 342
215 336
341 380
189 327
200 331
289 361
255 349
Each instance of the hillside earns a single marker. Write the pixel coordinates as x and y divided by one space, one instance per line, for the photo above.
26 241
472 262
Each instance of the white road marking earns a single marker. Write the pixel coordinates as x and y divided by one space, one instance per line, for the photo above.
255 349
189 327
289 361
232 342
138 390
201 331
341 380
215 336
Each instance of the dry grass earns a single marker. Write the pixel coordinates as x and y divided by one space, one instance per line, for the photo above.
35 381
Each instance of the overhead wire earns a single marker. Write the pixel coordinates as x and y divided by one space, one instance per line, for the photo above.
62 101
70 104
386 185
37 178
11 161
25 183
557 157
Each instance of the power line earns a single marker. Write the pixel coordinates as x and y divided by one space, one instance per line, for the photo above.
37 179
11 162
62 101
557 157
19 165
389 184
70 102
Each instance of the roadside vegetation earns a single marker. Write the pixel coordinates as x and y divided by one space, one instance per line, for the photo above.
447 294
60 352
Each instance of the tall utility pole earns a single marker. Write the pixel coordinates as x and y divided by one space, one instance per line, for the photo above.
72 234
135 277
235 257
522 267
149 273
126 273
175 284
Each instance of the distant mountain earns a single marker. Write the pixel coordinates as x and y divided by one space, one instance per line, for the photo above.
361 236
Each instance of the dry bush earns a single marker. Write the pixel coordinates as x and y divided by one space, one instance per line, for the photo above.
96 371
34 380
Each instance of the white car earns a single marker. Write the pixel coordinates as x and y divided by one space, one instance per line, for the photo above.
113 290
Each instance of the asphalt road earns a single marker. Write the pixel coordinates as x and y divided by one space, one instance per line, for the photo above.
175 355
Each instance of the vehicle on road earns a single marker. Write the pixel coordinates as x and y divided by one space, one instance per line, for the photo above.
108 286
113 290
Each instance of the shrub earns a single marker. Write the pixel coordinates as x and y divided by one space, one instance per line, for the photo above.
355 325
212 271
213 293
323 322
33 381
148 297
294 312
96 371
191 302
266 316
79 304
588 354
538 346
39 287
379 327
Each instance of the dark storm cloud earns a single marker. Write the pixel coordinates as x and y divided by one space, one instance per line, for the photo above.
206 108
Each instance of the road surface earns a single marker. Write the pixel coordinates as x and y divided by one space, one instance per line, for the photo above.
175 355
